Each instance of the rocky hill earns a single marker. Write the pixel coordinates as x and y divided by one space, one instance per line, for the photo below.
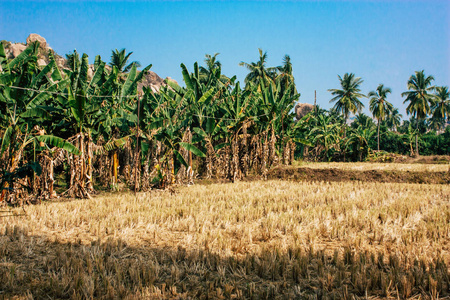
302 109
151 79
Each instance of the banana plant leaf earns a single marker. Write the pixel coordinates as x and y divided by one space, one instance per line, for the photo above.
6 139
113 145
59 143
193 149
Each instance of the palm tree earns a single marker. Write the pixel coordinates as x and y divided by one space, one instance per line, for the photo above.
441 105
419 97
212 71
285 77
435 123
364 120
394 119
211 64
379 107
347 99
119 59
259 71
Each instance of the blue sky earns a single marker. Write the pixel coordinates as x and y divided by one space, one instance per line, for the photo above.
380 41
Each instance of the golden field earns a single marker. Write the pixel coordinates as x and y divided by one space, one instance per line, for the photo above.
273 239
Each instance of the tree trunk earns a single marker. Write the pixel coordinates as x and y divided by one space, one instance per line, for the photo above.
345 135
378 136
293 146
286 153
265 154
172 169
90 184
417 140
115 167
360 152
51 180
83 164
235 158
272 148
190 170
137 169
244 151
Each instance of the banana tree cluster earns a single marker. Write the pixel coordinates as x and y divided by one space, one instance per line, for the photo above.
25 92
230 130
90 126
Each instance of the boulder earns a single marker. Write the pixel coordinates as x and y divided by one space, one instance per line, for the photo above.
60 62
171 79
41 62
302 109
16 49
151 80
91 71
36 37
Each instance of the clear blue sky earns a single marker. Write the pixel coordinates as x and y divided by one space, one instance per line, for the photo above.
380 41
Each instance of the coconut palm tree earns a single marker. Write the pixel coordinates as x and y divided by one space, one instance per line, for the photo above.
419 97
120 59
379 107
364 120
285 76
347 98
259 71
211 72
394 119
211 64
441 105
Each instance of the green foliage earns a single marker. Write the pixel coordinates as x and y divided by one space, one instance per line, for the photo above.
212 118
347 98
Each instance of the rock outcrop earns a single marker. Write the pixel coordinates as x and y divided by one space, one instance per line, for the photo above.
151 80
12 50
36 37
16 49
302 109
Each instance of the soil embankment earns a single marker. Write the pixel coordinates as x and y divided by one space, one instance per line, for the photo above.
338 175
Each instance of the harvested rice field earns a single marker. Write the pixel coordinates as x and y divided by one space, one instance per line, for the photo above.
274 239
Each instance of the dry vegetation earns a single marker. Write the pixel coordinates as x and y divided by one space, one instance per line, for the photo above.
365 172
365 166
262 239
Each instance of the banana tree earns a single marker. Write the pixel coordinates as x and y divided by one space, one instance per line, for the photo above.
237 107
26 92
202 94
358 140
14 143
118 114
165 122
325 137
277 105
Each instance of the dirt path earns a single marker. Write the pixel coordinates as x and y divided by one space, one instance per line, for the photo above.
334 174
